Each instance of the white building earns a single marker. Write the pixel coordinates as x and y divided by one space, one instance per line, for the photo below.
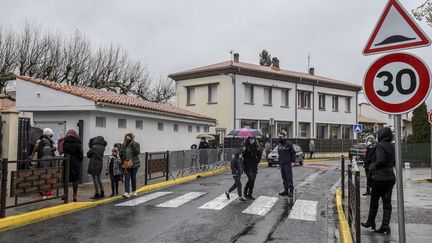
94 112
240 94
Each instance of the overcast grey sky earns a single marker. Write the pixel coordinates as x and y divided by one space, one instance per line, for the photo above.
174 35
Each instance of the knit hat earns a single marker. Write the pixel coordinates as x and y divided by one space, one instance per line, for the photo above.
48 132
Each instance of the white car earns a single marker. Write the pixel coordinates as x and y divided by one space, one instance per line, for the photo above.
273 156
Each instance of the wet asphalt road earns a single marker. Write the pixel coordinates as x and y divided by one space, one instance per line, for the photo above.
188 223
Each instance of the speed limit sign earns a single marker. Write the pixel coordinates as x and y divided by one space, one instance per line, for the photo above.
397 83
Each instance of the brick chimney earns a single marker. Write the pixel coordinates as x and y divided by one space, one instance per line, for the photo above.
312 71
275 63
236 57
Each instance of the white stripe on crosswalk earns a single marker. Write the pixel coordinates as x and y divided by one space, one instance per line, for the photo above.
304 210
261 206
219 202
181 200
143 199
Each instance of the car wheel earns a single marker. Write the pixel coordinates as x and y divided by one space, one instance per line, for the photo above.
270 164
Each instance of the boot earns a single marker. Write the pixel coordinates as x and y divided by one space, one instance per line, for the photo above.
74 197
96 196
370 223
102 194
385 228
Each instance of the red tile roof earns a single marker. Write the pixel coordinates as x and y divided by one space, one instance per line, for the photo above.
6 103
109 97
263 70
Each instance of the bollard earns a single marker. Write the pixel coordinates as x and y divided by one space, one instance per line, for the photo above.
407 171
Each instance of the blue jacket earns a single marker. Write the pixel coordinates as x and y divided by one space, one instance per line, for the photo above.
287 154
236 165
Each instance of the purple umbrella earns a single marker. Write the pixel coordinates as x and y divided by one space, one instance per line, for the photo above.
245 133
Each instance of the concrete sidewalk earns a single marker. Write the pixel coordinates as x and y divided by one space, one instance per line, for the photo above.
418 210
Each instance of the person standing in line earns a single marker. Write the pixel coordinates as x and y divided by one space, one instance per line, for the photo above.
130 163
370 153
252 153
203 144
237 171
45 150
114 170
72 147
383 181
95 154
287 156
311 148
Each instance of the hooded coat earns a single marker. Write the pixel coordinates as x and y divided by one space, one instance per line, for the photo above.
72 147
45 151
95 154
135 149
384 161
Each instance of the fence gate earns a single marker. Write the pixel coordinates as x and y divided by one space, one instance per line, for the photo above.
23 139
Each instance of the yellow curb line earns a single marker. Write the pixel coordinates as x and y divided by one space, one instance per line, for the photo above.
344 230
51 212
423 180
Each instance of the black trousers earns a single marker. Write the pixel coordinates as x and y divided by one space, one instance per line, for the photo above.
237 184
115 183
248 190
368 180
383 190
287 177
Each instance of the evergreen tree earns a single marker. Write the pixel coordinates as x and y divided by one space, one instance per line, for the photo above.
421 126
265 58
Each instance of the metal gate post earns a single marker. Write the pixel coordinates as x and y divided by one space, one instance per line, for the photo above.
357 206
167 166
66 169
343 177
350 195
4 188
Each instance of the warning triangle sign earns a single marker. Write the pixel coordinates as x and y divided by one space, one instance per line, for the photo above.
395 30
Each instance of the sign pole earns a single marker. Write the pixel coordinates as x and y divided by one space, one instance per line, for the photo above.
430 124
399 180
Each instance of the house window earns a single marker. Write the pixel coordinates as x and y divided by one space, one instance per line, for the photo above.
334 132
101 121
285 97
335 103
176 127
346 132
284 127
249 94
322 101
304 129
212 94
267 96
122 123
304 99
139 125
160 126
198 128
191 96
347 104
206 129
189 128
321 131
390 116
249 124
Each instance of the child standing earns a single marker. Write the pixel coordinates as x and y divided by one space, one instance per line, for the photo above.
237 171
114 170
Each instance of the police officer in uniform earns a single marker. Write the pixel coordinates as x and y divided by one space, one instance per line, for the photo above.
286 158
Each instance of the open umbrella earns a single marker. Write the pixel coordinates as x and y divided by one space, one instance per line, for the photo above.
245 133
206 136
34 135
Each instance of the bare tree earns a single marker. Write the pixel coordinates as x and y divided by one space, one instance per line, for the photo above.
162 91
7 57
424 12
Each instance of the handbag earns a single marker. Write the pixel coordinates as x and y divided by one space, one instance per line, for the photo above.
127 164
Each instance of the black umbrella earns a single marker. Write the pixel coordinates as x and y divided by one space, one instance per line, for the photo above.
35 133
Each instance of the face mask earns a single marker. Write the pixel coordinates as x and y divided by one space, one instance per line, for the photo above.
240 156
252 141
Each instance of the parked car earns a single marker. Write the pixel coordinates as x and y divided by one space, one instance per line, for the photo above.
358 150
273 157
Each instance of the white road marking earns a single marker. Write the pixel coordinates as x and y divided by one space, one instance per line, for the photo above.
181 200
261 206
304 210
219 202
143 199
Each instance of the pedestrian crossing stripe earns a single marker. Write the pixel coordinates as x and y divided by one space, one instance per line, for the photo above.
176 202
261 206
304 210
143 199
219 202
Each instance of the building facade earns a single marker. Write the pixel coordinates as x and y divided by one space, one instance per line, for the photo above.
271 99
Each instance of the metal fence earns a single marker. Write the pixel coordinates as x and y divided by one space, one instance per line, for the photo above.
417 154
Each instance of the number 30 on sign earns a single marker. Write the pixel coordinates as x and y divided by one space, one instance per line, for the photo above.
397 83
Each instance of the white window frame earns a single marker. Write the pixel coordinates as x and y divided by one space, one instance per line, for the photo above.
198 129
176 127
190 96
104 119
285 97
322 102
304 99
190 128
212 97
269 99
348 104
120 123
251 100
335 103
160 126
139 124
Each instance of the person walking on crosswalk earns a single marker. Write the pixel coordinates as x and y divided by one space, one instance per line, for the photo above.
237 171
287 156
252 153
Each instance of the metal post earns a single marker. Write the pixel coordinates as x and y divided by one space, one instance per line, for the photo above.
145 168
3 188
343 176
350 194
399 180
167 166
430 112
357 206
66 169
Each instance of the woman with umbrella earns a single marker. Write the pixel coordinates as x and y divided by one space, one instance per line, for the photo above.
252 153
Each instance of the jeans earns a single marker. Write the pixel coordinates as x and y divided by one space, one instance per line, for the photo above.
287 176
248 190
237 184
98 184
130 174
114 183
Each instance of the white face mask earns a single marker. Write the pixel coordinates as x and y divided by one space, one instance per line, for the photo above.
252 141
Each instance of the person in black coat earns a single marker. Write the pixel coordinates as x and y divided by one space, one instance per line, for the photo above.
383 180
370 155
252 153
72 147
203 144
237 171
95 154
287 156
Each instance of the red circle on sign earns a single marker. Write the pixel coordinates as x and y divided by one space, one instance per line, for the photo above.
423 83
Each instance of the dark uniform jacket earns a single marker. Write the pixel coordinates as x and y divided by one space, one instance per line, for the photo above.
382 168
287 154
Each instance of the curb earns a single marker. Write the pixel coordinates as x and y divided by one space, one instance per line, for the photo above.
344 230
424 180
55 211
